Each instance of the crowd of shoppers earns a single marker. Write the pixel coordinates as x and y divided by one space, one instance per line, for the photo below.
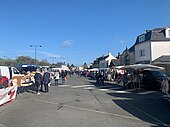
43 79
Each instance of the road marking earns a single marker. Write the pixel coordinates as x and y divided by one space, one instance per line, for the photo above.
90 88
147 92
63 85
89 110
104 90
81 86
121 92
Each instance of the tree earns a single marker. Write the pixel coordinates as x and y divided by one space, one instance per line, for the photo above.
7 62
43 62
2 62
25 60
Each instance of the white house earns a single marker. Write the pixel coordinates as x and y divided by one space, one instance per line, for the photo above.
152 45
106 60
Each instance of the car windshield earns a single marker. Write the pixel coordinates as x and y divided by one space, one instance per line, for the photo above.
158 74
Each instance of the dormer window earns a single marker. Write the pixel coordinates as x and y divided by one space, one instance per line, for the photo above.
168 33
141 38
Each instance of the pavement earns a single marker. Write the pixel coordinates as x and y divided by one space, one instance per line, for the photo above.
80 103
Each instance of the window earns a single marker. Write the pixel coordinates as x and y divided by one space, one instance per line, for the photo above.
15 71
142 53
141 38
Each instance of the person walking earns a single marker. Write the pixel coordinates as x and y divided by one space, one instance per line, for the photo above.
38 80
63 77
46 80
56 77
101 78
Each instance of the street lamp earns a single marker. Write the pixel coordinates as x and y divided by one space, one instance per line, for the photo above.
52 58
35 47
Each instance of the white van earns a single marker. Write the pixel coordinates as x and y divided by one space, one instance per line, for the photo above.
13 74
9 72
7 94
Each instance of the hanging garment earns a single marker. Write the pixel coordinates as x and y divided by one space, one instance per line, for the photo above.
165 86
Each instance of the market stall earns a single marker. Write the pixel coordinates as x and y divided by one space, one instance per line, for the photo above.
134 76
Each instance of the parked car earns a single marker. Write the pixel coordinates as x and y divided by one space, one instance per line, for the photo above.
152 79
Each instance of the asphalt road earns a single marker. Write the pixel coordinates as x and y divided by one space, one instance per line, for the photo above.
79 103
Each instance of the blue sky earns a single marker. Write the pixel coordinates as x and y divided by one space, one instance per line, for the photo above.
76 31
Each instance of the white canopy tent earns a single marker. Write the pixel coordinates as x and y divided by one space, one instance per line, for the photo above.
93 70
141 67
138 68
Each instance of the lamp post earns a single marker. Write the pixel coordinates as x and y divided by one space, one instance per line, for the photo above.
52 58
35 47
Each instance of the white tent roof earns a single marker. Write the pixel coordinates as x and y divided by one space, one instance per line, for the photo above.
141 66
94 69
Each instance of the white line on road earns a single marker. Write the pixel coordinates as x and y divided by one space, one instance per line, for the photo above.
121 92
104 90
90 88
63 85
89 110
82 86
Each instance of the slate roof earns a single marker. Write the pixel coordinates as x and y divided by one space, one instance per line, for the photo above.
100 59
132 49
157 34
163 58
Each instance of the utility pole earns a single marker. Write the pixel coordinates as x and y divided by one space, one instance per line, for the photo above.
35 48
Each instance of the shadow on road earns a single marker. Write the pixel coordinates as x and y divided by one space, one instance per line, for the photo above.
106 85
29 89
149 108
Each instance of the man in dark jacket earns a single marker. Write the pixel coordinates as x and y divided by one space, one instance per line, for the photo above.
38 80
46 80
101 78
63 76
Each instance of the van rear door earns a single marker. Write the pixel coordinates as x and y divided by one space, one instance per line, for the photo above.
5 71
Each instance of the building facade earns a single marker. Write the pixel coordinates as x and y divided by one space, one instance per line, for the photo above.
128 56
152 45
103 61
